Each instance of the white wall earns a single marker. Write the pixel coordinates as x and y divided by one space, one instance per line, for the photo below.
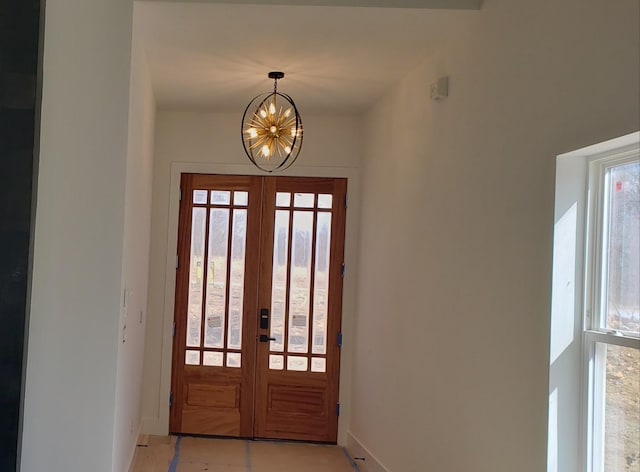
451 368
73 328
210 143
135 273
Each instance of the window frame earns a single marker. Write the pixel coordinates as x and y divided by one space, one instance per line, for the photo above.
595 335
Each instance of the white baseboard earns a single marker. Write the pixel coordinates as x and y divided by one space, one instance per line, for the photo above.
356 449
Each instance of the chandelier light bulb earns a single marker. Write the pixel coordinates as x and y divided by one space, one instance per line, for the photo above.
263 113
287 112
265 151
272 109
253 133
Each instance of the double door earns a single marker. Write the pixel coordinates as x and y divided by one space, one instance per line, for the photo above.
258 307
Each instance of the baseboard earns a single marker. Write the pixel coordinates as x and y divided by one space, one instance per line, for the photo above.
356 449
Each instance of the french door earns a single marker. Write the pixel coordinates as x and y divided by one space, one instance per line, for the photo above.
258 307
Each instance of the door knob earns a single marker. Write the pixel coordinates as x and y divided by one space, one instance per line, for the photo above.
264 338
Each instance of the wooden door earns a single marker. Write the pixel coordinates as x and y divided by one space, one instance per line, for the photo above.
216 296
301 286
259 258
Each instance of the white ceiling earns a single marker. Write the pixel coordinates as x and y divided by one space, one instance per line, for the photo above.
216 56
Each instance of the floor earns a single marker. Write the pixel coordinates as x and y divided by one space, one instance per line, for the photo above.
190 454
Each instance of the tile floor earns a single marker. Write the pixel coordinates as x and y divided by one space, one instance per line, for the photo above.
189 454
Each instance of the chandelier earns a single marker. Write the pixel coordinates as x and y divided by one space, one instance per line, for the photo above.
272 129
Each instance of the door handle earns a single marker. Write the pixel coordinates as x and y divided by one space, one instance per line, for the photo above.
265 339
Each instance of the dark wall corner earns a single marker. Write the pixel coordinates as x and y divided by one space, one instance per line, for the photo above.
20 47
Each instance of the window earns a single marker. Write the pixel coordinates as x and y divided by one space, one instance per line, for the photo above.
612 315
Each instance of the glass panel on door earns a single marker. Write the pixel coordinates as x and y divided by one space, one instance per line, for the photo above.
300 281
220 267
196 262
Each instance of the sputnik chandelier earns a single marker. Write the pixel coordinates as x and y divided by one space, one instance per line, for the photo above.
272 129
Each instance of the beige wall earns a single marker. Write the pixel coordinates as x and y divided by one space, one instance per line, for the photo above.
452 342
135 271
85 351
210 143
70 390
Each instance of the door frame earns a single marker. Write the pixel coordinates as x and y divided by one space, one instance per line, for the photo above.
160 424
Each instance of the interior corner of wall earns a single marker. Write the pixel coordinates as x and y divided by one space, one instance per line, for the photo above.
362 456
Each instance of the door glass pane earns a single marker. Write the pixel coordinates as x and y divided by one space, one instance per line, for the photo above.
276 362
213 358
623 274
321 283
279 279
233 359
220 197
622 410
236 289
196 264
297 363
192 358
200 196
241 198
300 285
325 200
217 277
283 199
318 364
303 200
